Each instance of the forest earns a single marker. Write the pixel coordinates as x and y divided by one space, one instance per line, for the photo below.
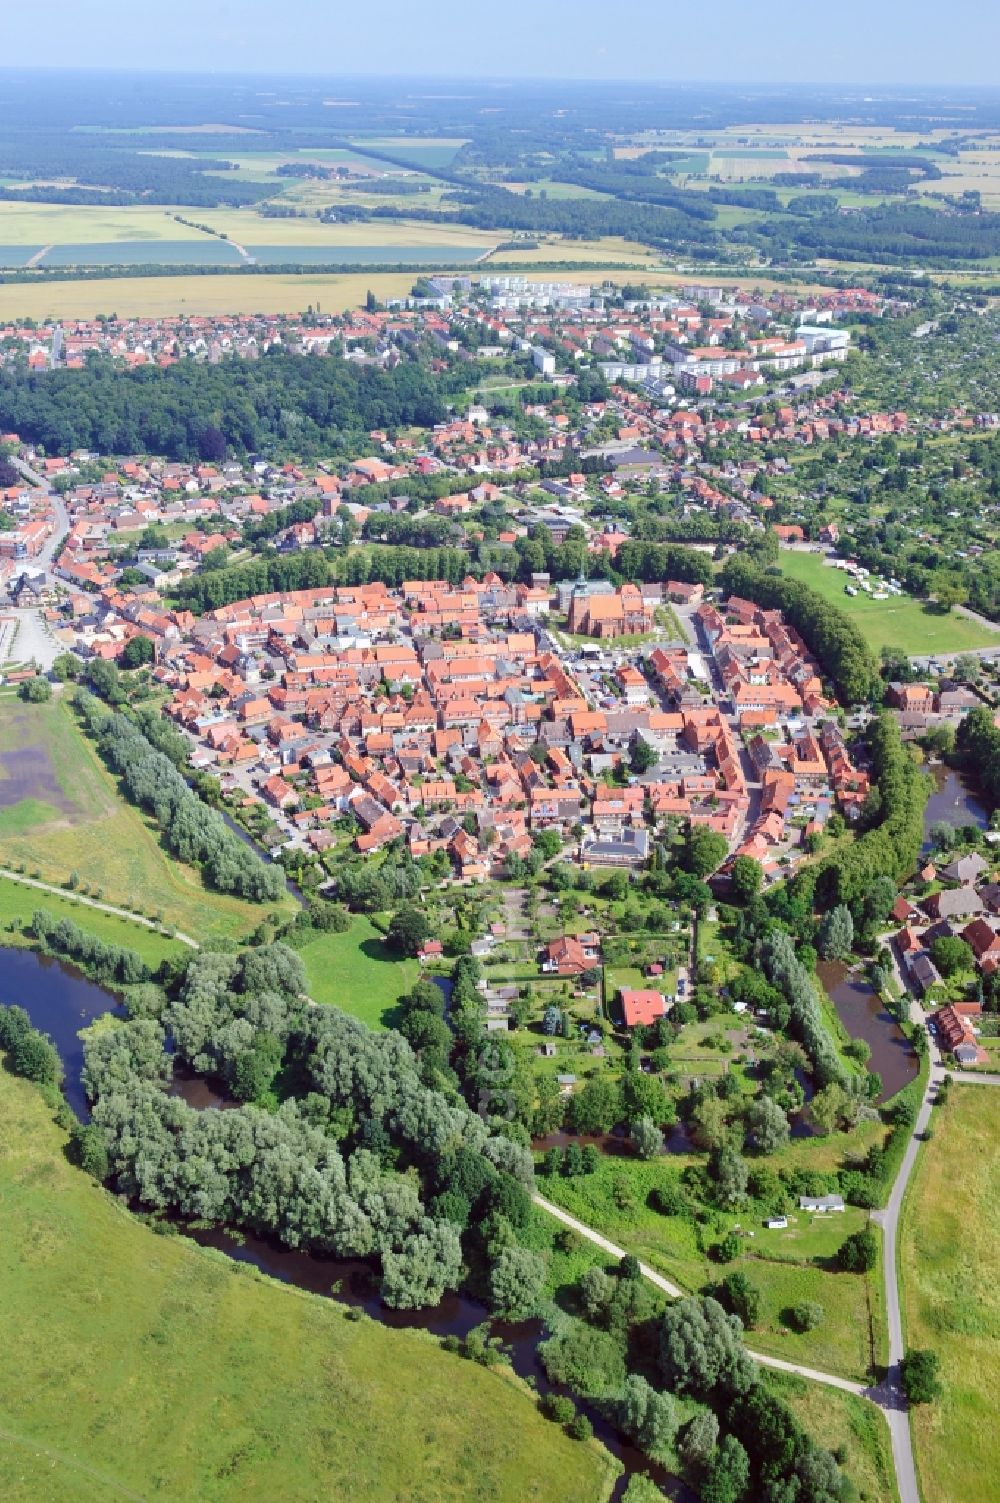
193 411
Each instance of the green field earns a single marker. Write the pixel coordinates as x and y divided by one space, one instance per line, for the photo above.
61 812
786 1266
18 903
900 622
136 1366
836 1419
950 1267
356 972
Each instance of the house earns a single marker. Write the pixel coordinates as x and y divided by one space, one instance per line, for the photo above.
955 1031
643 1006
984 942
571 954
776 1223
821 1203
954 902
431 949
967 869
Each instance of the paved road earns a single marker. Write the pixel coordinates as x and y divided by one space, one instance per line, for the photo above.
78 897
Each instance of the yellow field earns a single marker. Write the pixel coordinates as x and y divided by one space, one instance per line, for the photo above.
81 224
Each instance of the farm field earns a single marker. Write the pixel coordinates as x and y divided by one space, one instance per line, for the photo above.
901 622
60 812
169 1371
950 1268
356 972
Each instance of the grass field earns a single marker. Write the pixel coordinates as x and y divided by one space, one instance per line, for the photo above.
899 622
136 1366
786 1266
950 1266
356 972
836 1419
18 903
60 811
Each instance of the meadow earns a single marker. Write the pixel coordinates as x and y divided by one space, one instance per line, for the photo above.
357 972
169 1371
786 1266
902 622
18 903
836 1419
950 1267
61 813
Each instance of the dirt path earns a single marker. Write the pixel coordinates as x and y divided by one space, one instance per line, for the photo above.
77 897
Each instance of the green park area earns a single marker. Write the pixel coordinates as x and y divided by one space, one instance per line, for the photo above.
357 972
218 1384
911 626
62 818
950 1266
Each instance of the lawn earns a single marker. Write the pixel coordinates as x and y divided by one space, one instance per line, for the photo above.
357 972
901 621
61 812
950 1267
140 1366
835 1419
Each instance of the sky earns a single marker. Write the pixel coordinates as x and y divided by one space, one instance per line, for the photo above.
849 41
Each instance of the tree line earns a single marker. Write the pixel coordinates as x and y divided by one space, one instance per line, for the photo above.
194 832
830 635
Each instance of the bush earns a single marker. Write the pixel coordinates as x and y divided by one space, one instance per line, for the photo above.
920 1375
806 1316
859 1254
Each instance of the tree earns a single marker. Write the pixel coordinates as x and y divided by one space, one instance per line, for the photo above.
919 1371
704 851
66 666
408 930
827 1108
647 1416
138 652
727 1474
952 955
859 1253
767 1125
701 1352
647 1138
35 691
836 934
746 878
741 1297
700 1438
517 1281
730 1177
552 1020
643 755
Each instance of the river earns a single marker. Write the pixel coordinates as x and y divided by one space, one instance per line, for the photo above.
60 1001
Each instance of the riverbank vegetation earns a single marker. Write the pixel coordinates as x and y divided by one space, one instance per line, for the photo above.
950 1268
219 1383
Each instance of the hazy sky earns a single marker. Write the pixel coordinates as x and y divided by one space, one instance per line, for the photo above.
885 41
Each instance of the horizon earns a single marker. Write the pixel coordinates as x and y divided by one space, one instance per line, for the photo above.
534 40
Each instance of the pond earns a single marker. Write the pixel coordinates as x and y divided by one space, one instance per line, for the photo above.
954 800
864 1015
60 1001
